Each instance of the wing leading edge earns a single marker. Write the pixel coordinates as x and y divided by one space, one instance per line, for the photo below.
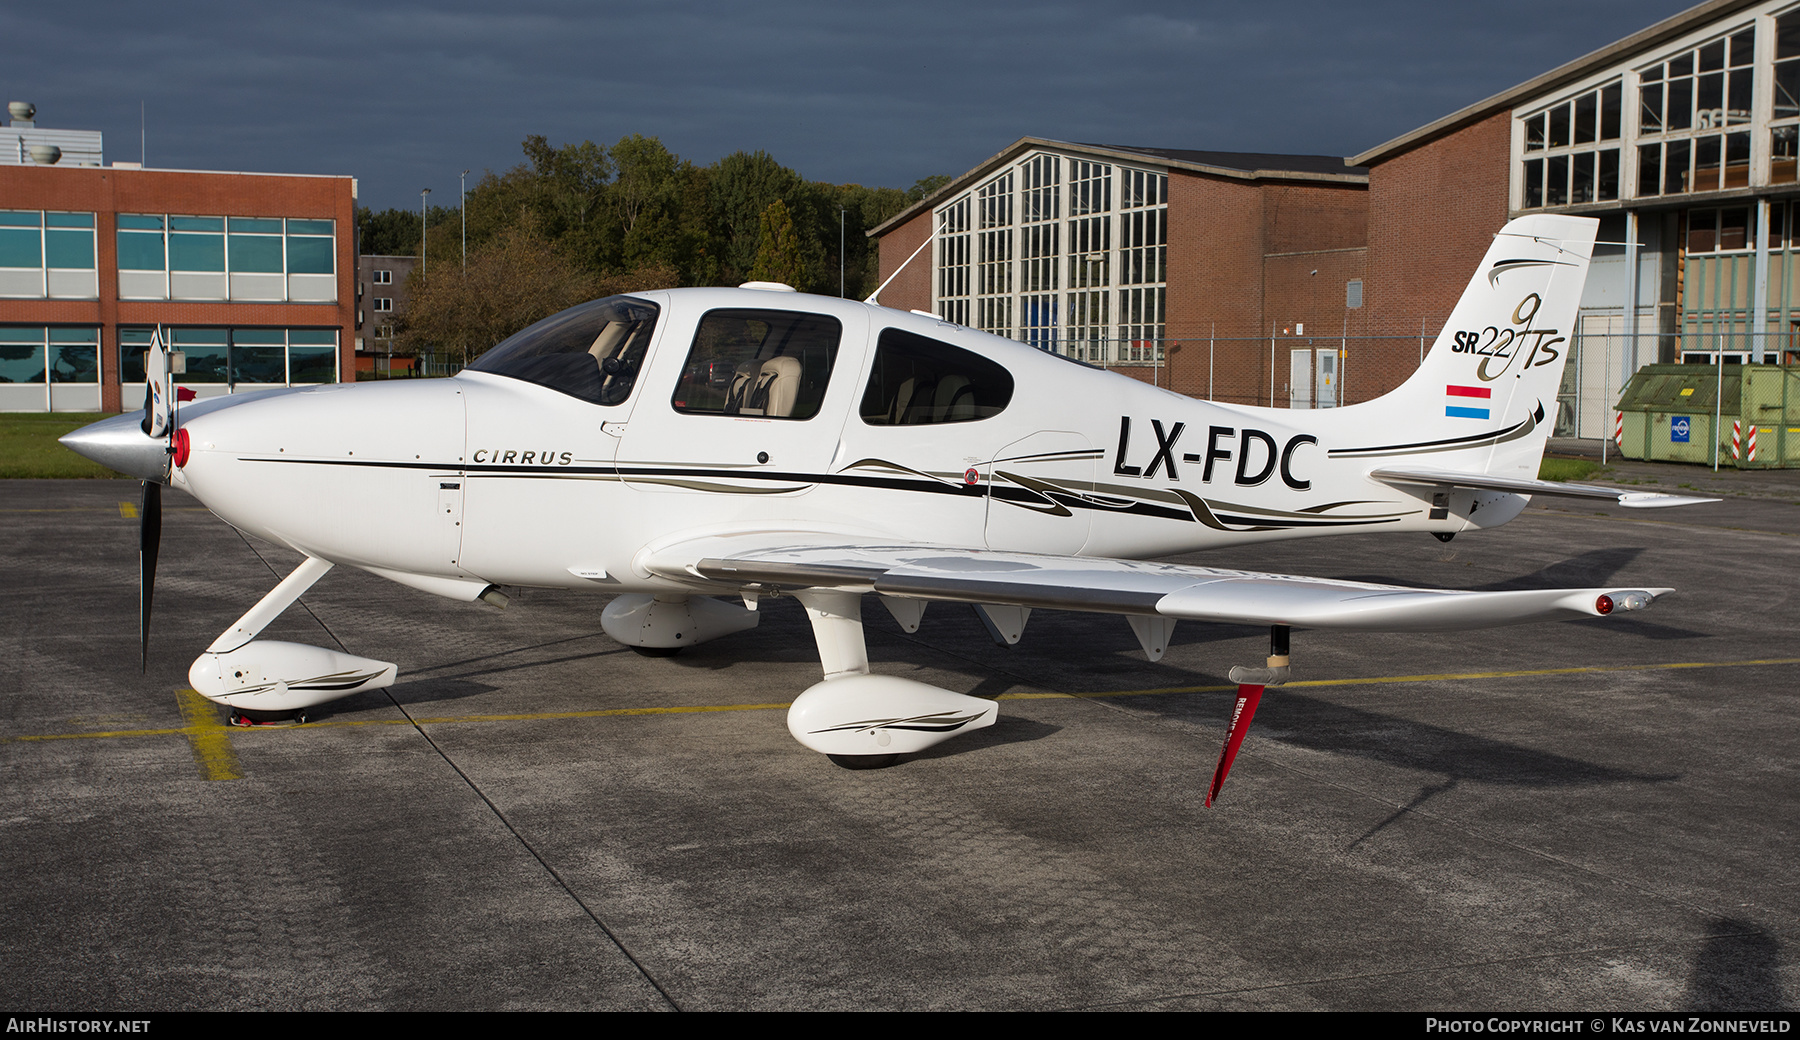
981 576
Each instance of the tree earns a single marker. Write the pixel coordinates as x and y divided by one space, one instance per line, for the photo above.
743 185
636 213
518 278
395 232
649 197
925 186
863 208
778 257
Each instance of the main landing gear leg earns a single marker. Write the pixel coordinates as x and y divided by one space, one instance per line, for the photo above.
863 721
1251 682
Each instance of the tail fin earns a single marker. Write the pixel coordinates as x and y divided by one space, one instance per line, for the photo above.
1484 400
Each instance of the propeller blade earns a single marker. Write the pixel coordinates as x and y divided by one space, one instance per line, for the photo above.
1247 700
149 538
158 414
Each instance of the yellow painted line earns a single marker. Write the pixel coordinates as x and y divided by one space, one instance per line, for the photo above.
208 737
102 509
127 511
212 749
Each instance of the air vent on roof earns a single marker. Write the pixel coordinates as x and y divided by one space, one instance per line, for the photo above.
769 286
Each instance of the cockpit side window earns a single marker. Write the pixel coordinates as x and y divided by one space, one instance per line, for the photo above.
919 381
771 364
592 351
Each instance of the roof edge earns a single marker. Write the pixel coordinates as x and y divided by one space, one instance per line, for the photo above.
993 162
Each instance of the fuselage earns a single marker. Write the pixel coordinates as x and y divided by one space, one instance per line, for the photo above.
489 478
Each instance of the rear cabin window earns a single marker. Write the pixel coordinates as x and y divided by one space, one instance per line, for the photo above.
919 381
592 351
772 364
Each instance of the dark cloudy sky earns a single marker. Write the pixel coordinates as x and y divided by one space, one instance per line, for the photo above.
406 95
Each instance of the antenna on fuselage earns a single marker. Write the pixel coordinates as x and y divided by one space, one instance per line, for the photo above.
915 255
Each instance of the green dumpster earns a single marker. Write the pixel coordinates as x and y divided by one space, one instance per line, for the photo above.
1669 412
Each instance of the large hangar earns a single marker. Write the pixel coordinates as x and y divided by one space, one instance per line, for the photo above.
1178 267
1684 138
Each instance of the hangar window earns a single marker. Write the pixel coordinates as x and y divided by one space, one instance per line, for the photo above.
1065 253
1784 137
592 351
918 381
1690 107
1566 159
993 262
953 262
1728 230
772 364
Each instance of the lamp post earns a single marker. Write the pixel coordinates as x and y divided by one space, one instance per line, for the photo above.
463 205
422 193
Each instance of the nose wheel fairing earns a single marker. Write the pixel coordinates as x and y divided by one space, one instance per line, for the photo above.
262 675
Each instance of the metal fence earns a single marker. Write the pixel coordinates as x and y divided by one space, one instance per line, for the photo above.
1605 358
1280 370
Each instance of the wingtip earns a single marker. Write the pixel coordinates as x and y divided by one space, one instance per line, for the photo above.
1660 500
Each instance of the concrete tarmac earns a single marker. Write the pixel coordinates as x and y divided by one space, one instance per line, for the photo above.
1592 815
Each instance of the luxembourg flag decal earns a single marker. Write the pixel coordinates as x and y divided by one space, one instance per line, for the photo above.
1466 402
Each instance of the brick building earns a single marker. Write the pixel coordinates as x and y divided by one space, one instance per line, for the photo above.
251 276
1189 269
381 290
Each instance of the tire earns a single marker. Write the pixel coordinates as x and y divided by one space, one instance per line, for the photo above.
864 761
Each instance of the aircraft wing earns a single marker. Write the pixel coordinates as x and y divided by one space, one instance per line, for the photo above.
1415 477
1132 587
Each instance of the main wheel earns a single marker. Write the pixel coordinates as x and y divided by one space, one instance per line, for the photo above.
864 761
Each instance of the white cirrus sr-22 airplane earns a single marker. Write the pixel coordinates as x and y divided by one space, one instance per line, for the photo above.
691 451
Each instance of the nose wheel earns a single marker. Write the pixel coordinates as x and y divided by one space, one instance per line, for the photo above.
247 717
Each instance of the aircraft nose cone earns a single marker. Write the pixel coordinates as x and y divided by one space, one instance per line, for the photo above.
120 443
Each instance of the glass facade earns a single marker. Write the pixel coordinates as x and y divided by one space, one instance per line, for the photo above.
47 255
237 356
49 354
1066 254
251 259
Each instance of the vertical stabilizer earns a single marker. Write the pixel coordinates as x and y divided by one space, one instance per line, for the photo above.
1484 400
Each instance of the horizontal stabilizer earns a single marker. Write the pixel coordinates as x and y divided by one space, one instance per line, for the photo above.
1415 477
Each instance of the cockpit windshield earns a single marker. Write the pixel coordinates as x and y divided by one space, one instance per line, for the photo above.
592 351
